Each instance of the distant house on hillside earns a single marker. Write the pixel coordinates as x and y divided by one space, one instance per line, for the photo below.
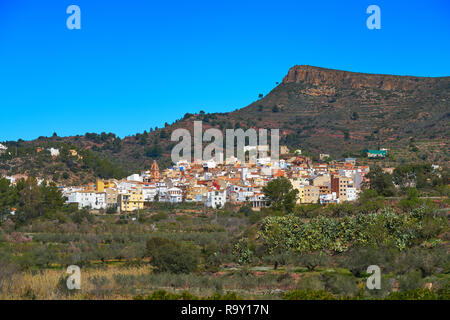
54 152
375 153
284 150
350 160
2 149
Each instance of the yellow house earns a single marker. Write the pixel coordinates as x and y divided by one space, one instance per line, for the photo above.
196 192
322 180
131 201
300 181
100 186
308 194
74 153
258 182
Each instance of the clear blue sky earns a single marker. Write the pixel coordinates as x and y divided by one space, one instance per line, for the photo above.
136 64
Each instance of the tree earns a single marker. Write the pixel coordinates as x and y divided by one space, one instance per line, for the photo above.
355 116
176 257
153 152
30 199
280 194
242 251
313 260
381 182
410 175
154 243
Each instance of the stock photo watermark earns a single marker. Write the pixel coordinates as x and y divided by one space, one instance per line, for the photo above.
374 281
74 20
257 146
374 20
74 280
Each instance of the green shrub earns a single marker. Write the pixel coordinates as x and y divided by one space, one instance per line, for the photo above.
164 295
416 294
185 295
225 296
154 243
344 285
176 258
312 282
158 217
411 281
308 295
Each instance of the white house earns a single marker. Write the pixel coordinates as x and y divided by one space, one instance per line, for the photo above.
209 164
347 172
263 161
149 193
216 199
266 171
175 195
258 200
54 152
2 149
161 190
328 198
244 173
231 160
183 165
352 194
88 199
135 177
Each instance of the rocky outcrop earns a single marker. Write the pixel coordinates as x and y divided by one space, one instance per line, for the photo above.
344 79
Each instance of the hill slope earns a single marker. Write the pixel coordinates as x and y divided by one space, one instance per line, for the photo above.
338 111
318 110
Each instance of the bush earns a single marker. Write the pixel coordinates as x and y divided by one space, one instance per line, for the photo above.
158 217
308 295
356 260
6 271
246 210
311 282
418 294
225 296
79 216
185 295
385 288
164 295
153 244
411 281
176 257
428 261
242 252
342 209
344 285
101 287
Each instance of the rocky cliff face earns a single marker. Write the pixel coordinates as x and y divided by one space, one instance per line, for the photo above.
345 79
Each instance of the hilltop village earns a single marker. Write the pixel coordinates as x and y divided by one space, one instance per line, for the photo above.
215 184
